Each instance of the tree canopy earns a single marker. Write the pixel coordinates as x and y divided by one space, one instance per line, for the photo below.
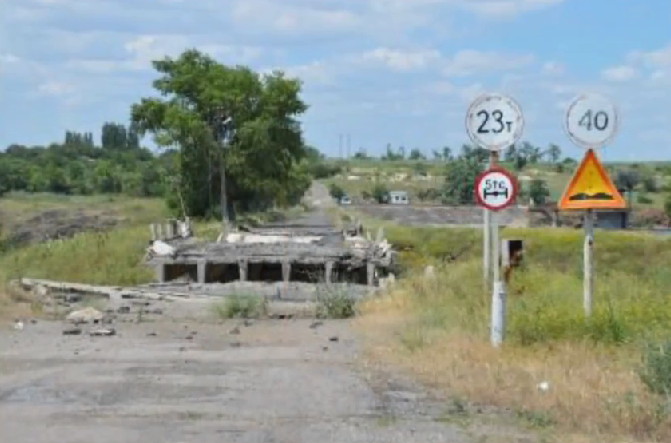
265 158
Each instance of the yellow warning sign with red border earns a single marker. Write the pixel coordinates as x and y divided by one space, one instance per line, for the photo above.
591 188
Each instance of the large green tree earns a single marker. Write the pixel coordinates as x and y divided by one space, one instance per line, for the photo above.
265 157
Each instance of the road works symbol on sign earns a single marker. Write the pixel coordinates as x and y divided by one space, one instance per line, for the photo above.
495 189
591 188
494 121
591 121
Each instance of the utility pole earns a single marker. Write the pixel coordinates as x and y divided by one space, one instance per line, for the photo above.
221 130
340 145
349 145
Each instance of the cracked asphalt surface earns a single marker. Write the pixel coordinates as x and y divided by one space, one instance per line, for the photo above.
178 378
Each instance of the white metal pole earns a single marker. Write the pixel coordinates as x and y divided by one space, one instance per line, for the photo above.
487 232
486 244
498 325
498 287
588 273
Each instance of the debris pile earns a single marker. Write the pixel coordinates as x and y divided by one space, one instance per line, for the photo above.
73 304
277 252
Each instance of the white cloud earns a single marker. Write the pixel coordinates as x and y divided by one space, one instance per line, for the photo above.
440 88
659 75
507 8
470 92
6 59
553 68
285 17
143 49
621 73
654 59
55 88
315 72
468 62
399 60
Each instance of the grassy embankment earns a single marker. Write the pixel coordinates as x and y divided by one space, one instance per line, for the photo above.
109 258
438 330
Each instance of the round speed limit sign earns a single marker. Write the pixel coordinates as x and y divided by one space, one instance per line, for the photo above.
591 121
494 121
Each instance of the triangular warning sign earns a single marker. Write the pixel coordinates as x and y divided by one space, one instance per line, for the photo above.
591 188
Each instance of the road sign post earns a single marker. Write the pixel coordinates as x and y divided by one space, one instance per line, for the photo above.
494 122
496 189
591 122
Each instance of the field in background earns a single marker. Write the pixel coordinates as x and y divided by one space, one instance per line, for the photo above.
361 176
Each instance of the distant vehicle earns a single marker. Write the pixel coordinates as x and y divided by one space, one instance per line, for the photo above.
345 200
399 198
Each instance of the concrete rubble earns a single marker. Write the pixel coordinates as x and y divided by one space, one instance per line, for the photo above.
309 252
292 266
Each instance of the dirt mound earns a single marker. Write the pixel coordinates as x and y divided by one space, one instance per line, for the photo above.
58 224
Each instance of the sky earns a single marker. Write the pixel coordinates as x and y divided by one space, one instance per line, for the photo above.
376 71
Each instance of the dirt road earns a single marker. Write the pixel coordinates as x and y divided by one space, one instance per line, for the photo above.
180 377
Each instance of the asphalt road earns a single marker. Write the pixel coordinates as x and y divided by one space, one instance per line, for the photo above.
180 377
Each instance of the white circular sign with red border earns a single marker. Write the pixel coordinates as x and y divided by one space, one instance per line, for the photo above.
495 189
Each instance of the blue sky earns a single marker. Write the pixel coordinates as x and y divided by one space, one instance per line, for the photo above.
383 71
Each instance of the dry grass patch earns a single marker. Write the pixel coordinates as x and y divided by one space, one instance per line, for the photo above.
15 303
20 206
438 329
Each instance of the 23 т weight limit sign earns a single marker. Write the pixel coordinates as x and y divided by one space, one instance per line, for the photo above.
494 121
495 189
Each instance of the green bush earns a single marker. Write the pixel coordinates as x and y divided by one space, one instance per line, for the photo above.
644 199
336 191
335 303
240 306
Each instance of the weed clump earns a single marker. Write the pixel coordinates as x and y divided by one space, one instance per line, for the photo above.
240 306
335 303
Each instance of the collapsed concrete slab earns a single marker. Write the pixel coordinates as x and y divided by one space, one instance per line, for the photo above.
288 253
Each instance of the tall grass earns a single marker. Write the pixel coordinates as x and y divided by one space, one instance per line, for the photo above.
438 327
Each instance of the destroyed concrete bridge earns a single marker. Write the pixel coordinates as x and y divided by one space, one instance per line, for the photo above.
309 250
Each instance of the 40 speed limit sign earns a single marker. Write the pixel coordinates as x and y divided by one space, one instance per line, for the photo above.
495 189
591 121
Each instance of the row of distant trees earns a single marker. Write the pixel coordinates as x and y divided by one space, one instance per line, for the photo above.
79 165
525 150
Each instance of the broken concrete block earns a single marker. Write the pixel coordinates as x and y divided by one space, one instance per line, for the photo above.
86 315
72 330
102 332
